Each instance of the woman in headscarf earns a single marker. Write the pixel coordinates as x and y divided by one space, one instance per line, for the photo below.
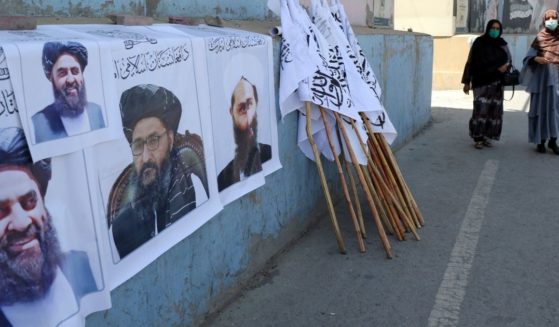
489 58
540 76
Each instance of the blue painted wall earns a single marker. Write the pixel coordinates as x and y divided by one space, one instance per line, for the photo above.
227 9
203 271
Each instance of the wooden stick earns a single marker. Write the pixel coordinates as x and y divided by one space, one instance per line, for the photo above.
381 206
385 188
396 220
355 196
390 180
360 241
380 228
400 178
324 184
393 170
353 185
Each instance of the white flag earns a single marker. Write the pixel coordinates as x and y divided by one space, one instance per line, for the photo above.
296 61
328 87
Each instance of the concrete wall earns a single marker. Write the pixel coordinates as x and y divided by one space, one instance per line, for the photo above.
435 17
450 17
451 53
202 272
378 13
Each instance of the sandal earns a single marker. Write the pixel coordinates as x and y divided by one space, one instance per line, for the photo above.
478 145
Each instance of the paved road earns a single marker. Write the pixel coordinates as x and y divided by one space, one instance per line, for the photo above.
488 255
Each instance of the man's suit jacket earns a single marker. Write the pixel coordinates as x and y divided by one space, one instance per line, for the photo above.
48 124
76 269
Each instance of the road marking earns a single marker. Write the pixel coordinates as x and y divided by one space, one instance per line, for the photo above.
446 310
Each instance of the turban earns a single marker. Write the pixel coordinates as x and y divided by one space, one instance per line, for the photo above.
53 50
148 100
15 152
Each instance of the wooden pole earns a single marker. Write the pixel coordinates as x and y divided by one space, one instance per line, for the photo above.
400 178
390 180
380 228
381 206
393 171
389 207
347 197
374 156
385 188
355 196
324 184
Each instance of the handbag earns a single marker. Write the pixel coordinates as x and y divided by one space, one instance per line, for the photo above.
511 77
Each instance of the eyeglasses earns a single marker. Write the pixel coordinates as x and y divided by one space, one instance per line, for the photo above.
151 141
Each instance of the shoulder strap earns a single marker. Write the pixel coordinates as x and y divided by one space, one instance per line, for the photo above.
512 96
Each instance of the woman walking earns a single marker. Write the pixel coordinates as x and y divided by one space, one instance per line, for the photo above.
488 59
540 76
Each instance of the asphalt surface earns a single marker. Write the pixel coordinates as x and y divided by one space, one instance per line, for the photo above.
488 254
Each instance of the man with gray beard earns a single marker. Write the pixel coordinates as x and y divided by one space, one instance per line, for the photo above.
71 113
34 273
249 154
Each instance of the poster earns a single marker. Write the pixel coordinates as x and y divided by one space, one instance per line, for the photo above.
242 105
63 90
51 272
383 12
158 178
139 170
461 15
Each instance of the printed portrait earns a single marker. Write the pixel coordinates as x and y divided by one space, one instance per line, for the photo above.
244 143
167 173
71 113
42 280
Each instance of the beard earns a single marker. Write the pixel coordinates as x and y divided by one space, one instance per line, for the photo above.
246 144
69 105
24 278
153 195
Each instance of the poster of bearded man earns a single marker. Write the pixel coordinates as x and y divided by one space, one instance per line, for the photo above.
156 182
243 111
50 268
63 93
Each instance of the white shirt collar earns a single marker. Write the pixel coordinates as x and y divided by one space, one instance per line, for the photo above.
58 304
76 125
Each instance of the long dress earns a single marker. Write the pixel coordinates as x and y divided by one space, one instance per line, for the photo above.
541 81
481 69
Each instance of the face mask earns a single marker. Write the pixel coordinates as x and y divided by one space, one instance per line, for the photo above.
551 24
494 33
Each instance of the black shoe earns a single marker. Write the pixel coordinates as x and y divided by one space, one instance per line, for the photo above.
552 144
487 143
541 148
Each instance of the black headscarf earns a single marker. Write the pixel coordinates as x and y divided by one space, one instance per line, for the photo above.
486 56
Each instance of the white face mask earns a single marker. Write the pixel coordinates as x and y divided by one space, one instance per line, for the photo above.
551 24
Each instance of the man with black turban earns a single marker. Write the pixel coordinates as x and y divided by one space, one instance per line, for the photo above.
33 270
157 188
70 113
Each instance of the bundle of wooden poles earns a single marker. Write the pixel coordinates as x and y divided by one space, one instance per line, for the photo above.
389 199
